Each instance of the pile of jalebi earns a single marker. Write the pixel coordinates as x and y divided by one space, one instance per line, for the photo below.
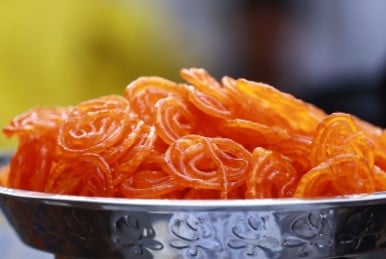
197 140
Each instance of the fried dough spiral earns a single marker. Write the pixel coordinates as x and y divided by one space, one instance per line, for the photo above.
174 118
335 176
208 163
88 175
272 176
201 139
207 94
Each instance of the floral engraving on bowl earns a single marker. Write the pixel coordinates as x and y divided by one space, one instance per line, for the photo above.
225 235
364 229
134 235
194 234
256 235
311 234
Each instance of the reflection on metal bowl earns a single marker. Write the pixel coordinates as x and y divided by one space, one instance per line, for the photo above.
86 227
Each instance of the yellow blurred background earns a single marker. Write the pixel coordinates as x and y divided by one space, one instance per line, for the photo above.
64 51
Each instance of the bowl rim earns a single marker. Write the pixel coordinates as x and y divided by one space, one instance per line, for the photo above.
113 203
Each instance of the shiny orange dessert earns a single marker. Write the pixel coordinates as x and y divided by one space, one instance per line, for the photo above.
203 139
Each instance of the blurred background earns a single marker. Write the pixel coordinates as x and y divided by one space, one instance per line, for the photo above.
331 53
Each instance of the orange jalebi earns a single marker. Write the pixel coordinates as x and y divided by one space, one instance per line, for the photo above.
207 94
202 139
272 176
36 122
265 104
144 93
138 152
150 180
339 175
37 130
31 164
98 127
208 163
174 118
337 134
297 149
251 134
87 174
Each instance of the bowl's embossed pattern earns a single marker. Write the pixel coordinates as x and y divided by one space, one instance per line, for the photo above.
195 235
311 234
225 235
76 230
134 235
257 235
85 227
363 228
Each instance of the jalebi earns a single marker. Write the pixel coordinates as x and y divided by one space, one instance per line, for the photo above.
200 139
272 176
340 175
208 163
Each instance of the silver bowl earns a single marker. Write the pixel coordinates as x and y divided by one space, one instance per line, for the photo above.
86 227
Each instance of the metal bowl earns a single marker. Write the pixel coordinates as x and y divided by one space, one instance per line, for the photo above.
86 227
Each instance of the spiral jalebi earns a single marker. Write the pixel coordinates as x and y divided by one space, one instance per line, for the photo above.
144 93
272 176
174 118
200 139
150 180
340 175
87 175
338 134
208 163
207 94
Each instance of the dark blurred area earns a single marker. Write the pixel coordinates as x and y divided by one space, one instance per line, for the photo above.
330 53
